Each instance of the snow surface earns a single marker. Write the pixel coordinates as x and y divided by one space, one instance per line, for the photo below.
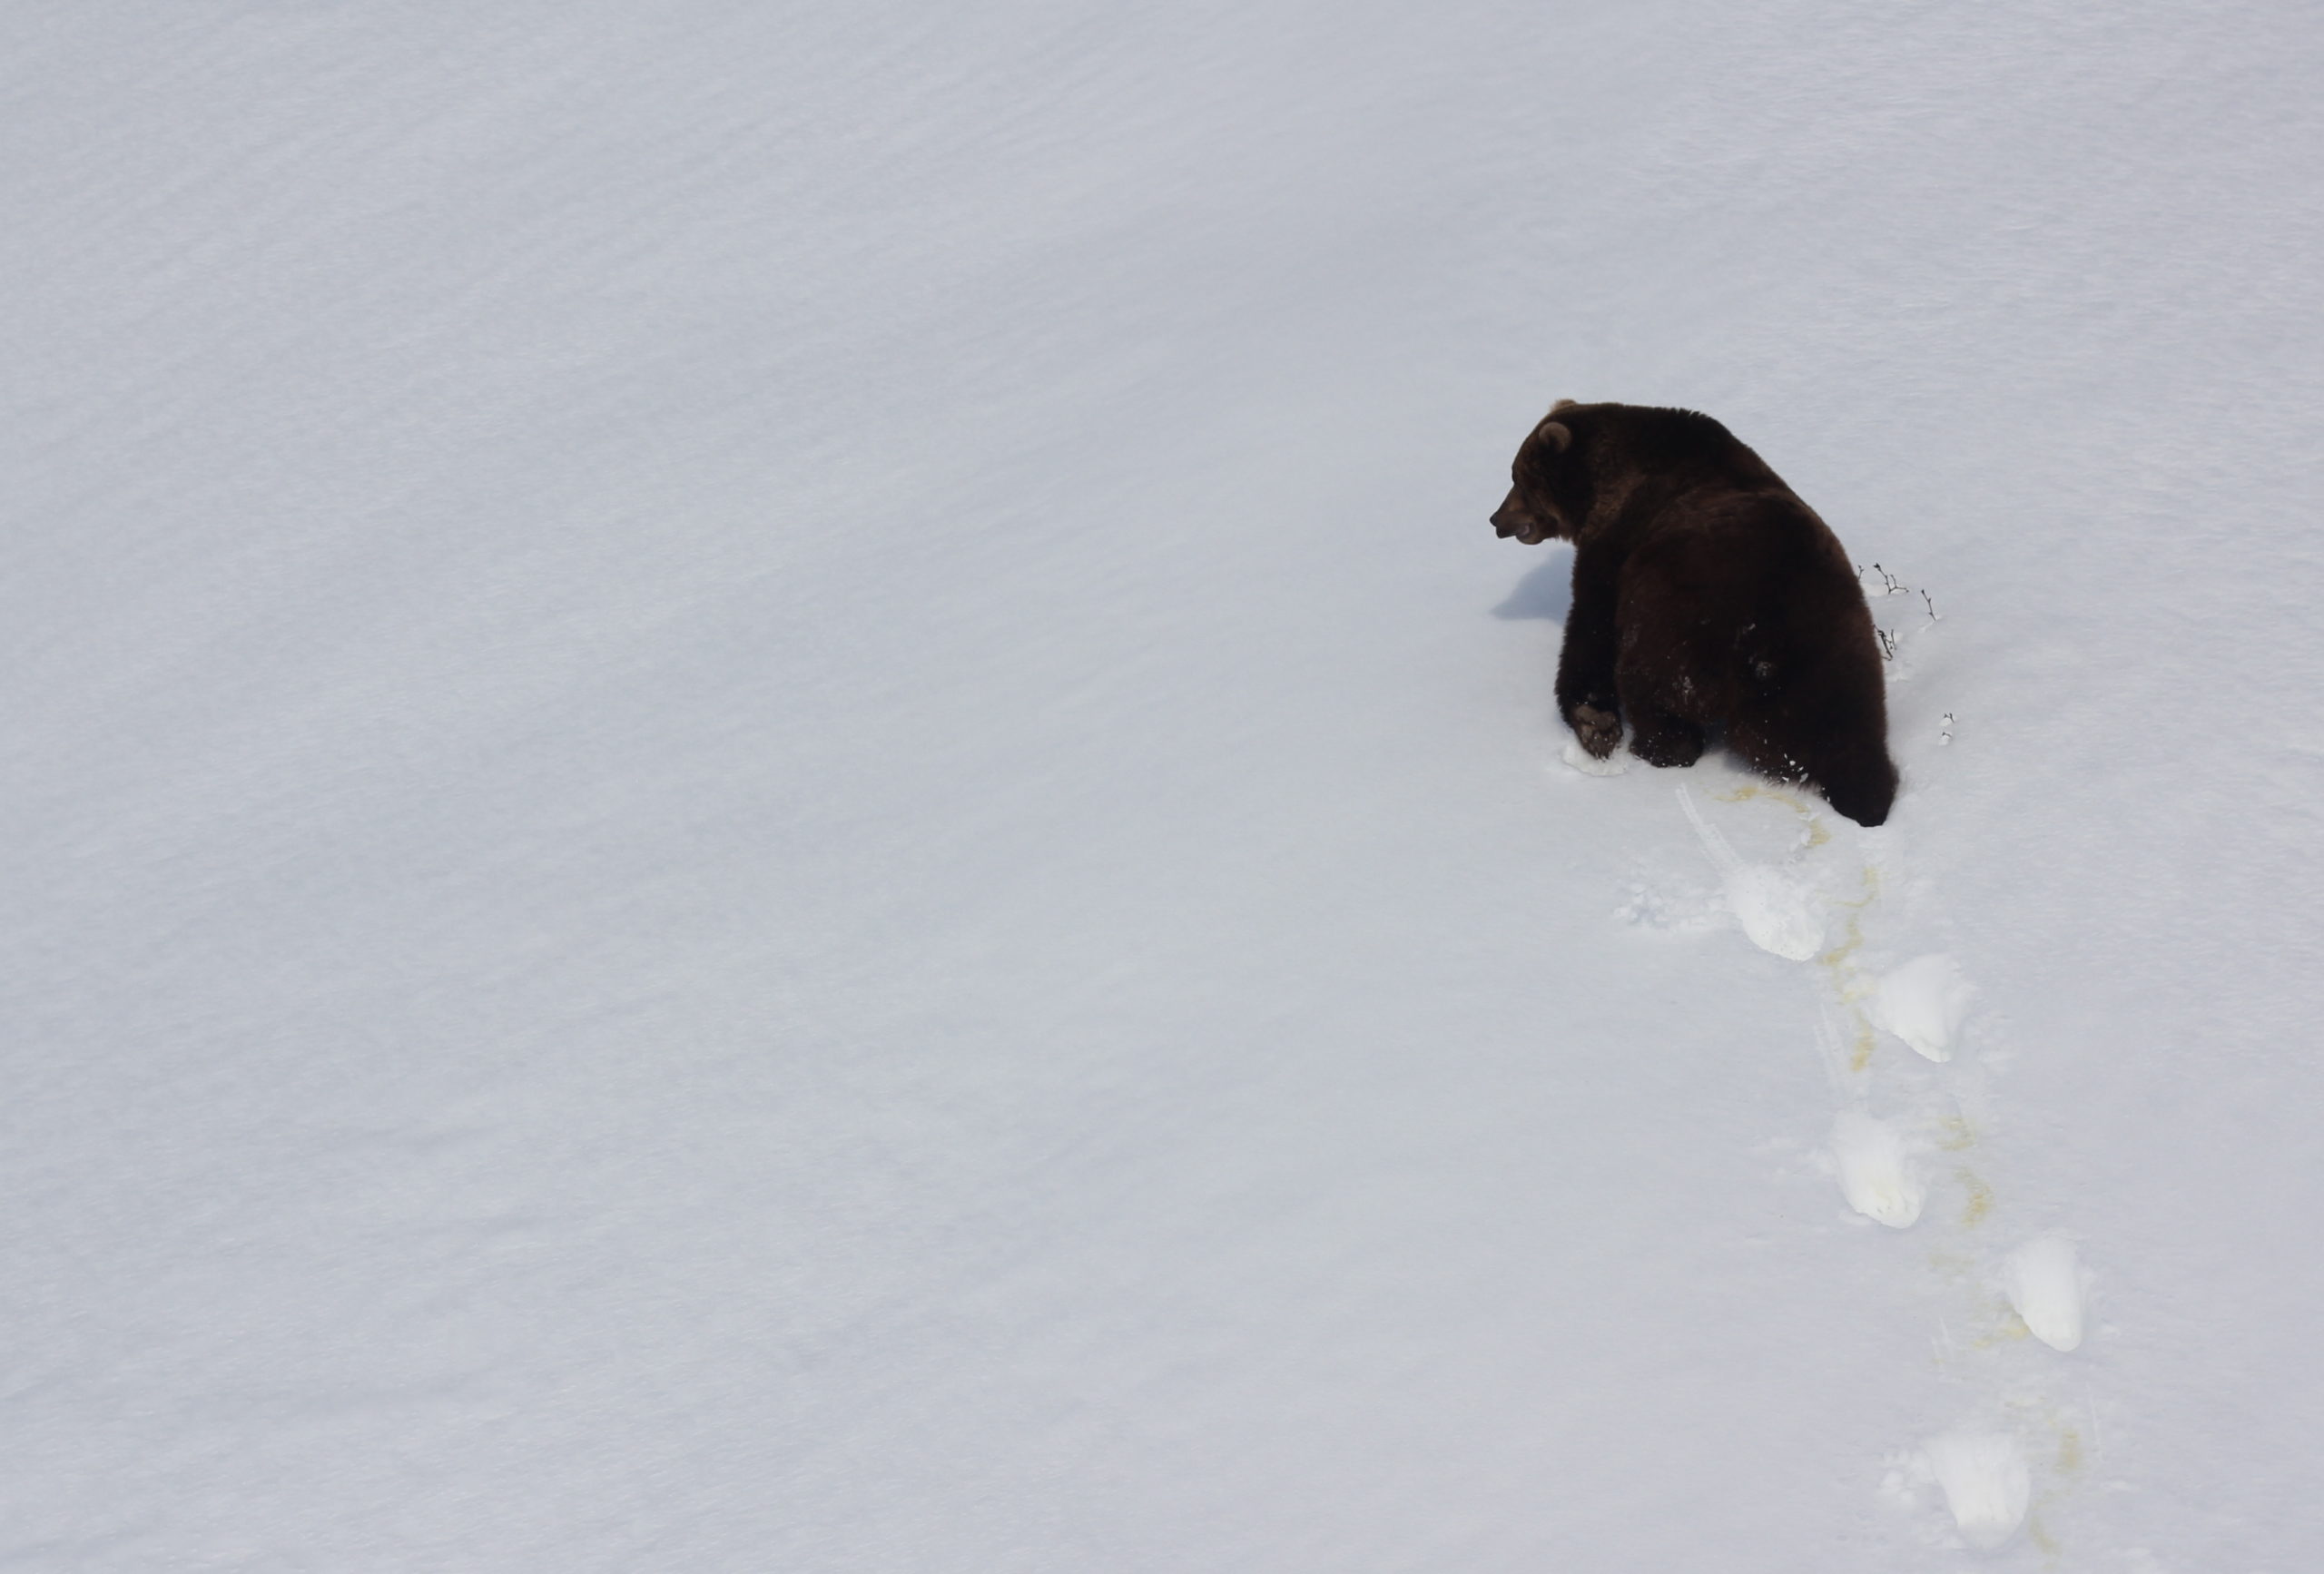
774 802
1774 909
1987 1483
1922 1003
1877 1170
2046 1287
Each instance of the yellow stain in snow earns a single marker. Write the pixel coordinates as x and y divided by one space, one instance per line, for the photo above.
1817 834
1981 1199
2008 1331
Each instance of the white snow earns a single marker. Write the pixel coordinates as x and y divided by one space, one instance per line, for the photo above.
1987 1484
772 803
1922 1003
1776 910
1876 1171
1588 764
2045 1284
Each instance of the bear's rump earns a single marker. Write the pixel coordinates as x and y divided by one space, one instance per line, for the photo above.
1738 611
1696 635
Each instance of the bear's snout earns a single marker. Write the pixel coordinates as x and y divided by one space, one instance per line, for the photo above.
1513 518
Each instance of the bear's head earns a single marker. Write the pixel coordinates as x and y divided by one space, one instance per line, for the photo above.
1547 481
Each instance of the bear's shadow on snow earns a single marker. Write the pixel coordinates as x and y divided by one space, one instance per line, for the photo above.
1547 592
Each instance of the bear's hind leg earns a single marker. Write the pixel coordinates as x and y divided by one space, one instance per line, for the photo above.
1750 737
1661 738
1651 692
1860 782
1854 775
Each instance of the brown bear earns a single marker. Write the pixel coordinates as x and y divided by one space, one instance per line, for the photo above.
1705 595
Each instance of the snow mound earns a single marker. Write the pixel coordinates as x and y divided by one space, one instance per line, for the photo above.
1987 1484
1580 760
1922 1003
2045 1284
1778 913
1877 1172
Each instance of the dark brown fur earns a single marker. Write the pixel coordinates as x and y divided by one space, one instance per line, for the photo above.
1705 595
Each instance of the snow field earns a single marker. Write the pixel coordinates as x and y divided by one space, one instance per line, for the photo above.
773 802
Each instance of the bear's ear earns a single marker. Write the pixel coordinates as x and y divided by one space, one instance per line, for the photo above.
1557 434
1561 405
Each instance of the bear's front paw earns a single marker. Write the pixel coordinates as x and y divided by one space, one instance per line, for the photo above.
1599 730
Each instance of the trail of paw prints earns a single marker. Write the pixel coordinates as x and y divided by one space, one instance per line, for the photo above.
1903 1150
